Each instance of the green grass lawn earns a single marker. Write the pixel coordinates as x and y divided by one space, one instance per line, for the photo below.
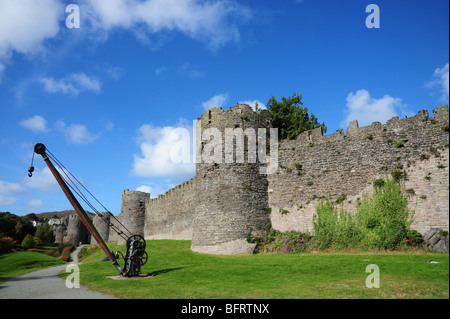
180 273
22 262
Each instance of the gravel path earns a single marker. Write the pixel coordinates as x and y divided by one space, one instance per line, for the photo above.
45 284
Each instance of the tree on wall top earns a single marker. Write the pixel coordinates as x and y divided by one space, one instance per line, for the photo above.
291 118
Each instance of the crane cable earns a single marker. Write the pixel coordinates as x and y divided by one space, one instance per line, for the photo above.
73 186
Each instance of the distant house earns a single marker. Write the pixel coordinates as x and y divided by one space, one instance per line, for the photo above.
35 223
54 221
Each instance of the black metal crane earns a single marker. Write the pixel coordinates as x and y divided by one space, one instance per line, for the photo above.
135 255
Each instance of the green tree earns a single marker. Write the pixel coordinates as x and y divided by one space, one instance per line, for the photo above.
291 118
23 227
28 242
45 233
8 222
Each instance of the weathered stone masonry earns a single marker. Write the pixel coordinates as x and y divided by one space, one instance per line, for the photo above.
232 198
181 202
219 206
348 164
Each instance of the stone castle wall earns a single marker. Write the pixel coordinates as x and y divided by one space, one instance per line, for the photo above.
218 207
171 216
314 166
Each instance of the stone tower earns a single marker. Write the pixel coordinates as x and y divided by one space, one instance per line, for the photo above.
76 231
102 226
132 213
232 195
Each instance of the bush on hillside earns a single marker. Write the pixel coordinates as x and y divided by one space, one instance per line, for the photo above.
65 254
28 242
7 244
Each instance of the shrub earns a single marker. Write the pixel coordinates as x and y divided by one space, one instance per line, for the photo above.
298 166
443 233
333 227
411 192
381 221
284 242
378 183
28 242
7 244
341 198
65 254
414 238
399 144
37 241
398 175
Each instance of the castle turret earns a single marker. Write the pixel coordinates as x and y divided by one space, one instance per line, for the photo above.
59 233
231 188
76 231
101 223
132 213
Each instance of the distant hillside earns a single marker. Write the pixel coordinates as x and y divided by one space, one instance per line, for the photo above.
59 214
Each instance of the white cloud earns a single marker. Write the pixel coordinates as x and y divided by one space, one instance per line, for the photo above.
76 133
7 200
145 189
8 191
186 69
7 188
115 72
41 180
362 107
191 71
72 84
261 106
2 68
36 203
154 191
26 24
165 151
218 100
36 124
160 70
212 22
440 82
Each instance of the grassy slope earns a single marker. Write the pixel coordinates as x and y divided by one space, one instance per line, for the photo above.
19 263
181 273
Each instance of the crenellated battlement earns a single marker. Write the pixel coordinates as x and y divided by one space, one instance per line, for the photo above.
175 191
345 165
238 116
224 202
393 127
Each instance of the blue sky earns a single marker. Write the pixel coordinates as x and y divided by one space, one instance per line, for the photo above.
105 97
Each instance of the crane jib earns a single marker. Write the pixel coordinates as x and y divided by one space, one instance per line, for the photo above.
135 255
